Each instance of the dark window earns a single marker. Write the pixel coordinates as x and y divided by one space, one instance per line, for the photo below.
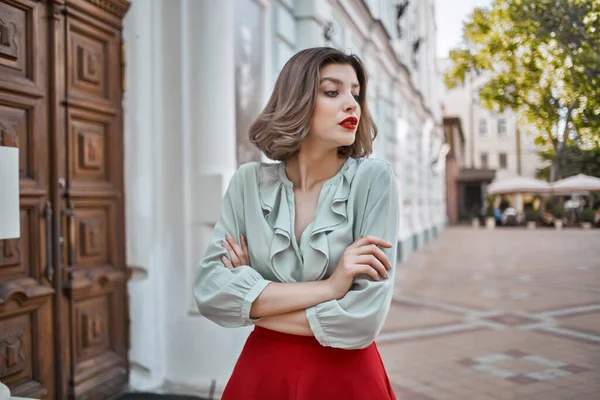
502 132
483 128
484 160
502 160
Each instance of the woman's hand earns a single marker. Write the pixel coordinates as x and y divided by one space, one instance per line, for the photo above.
362 257
238 255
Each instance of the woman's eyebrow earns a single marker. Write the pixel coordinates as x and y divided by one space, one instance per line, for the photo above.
339 82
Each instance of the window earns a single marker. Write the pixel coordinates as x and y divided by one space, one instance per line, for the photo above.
502 127
484 160
483 129
502 160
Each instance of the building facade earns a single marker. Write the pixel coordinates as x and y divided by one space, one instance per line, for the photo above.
493 140
198 73
496 147
465 186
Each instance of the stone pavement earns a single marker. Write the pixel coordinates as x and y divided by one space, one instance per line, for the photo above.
502 314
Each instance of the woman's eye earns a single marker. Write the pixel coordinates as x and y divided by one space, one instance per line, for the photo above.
331 93
357 98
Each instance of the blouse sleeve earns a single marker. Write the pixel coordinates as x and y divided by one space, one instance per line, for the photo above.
354 321
225 295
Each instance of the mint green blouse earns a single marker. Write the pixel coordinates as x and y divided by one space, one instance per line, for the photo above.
361 199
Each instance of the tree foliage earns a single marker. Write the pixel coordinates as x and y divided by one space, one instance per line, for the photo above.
572 160
543 61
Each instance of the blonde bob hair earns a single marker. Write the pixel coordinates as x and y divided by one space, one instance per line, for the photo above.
286 119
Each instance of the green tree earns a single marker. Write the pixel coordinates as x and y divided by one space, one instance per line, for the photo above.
572 160
543 61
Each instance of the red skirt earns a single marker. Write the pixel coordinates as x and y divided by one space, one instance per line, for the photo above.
279 366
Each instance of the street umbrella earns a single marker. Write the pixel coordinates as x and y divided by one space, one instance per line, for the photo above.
577 184
519 184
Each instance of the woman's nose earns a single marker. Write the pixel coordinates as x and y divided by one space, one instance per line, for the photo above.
350 104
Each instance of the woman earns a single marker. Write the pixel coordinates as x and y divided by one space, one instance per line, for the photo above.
305 248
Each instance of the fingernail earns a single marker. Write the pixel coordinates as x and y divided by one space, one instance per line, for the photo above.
224 243
229 236
386 275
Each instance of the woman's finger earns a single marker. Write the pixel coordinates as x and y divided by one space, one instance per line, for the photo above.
355 244
377 252
238 250
245 248
234 258
372 240
367 270
373 262
226 262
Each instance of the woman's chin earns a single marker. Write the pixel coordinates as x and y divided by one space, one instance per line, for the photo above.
348 140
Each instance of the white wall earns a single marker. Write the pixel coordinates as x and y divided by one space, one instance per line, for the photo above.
180 146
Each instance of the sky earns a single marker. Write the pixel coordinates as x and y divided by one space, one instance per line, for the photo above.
450 15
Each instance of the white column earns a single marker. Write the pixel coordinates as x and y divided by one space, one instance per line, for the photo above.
142 117
200 352
402 133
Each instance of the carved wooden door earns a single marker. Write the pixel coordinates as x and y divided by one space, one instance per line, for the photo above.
63 301
27 340
93 302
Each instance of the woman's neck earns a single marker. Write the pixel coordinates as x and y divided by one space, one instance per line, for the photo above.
307 169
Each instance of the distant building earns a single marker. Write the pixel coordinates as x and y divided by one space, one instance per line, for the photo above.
495 141
496 147
465 187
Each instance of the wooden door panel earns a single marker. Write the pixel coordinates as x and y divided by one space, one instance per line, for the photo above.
100 369
93 147
21 257
20 54
21 119
90 232
26 321
94 70
26 335
26 296
95 278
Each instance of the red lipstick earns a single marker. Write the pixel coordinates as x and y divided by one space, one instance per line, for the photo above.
349 123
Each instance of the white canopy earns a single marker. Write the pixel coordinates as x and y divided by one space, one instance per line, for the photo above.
577 184
519 184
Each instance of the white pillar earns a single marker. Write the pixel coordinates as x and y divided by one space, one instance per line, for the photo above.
141 120
200 352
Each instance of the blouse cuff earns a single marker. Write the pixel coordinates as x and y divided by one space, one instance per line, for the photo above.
315 326
247 301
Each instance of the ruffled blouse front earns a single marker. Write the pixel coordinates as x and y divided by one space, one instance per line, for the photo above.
361 199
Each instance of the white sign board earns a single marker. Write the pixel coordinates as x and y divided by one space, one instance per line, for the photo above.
9 193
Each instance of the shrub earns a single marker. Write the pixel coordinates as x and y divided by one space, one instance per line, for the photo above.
490 206
559 212
531 215
587 215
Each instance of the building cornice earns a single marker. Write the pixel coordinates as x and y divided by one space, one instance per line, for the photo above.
115 7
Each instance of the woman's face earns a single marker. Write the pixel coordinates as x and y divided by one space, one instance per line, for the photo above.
337 110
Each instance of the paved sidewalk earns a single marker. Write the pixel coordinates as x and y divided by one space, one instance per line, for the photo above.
502 314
